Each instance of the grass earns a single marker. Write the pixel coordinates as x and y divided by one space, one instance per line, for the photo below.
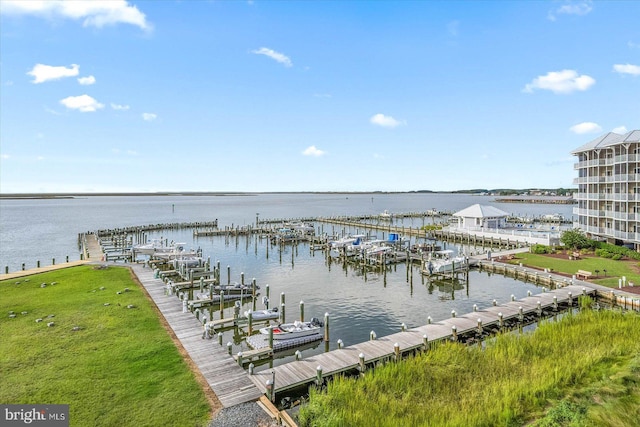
546 376
614 269
121 368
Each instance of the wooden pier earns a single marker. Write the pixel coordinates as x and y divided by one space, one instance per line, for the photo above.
359 357
227 379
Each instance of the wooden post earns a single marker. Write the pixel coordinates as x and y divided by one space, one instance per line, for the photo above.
271 337
319 376
222 304
425 342
302 311
396 351
250 320
228 275
361 363
454 332
326 327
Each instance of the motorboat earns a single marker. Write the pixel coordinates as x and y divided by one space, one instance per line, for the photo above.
297 329
235 288
441 262
260 315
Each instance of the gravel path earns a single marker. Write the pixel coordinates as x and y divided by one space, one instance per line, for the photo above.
244 415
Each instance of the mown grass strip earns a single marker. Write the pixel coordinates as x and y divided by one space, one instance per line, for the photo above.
119 367
509 383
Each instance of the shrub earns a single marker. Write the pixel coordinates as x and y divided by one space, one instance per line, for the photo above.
541 249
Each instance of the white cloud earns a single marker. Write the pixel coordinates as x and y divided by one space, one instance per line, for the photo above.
42 73
385 121
86 81
579 9
585 127
565 81
94 13
83 103
149 116
633 45
5 157
277 56
119 107
634 70
313 151
40 158
620 129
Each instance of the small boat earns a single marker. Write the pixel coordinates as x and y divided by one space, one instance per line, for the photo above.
386 216
441 262
235 288
296 329
260 315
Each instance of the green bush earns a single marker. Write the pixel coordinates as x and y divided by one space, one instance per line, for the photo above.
541 249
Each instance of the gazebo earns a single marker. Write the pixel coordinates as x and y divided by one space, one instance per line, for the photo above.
481 216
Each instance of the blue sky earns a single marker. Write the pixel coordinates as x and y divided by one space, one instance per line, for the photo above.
309 95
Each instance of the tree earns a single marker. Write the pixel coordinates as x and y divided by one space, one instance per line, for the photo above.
575 239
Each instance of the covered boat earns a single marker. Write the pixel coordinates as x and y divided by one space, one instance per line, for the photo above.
296 329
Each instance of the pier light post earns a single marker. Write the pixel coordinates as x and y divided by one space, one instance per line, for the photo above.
479 326
584 291
520 314
361 362
570 299
454 332
425 342
396 351
429 320
220 338
403 327
319 376
372 335
528 293
501 319
340 343
513 297
251 368
453 313
555 302
475 307
495 303
230 347
298 355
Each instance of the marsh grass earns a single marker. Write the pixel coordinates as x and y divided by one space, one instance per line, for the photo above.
120 368
513 381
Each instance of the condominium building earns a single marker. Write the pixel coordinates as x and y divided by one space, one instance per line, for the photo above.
608 193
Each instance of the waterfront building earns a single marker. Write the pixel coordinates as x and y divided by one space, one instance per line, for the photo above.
608 194
478 216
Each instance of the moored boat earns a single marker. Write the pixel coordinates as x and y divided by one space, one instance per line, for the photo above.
296 329
260 315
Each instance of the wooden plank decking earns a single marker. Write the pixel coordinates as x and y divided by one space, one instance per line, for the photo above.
227 379
301 372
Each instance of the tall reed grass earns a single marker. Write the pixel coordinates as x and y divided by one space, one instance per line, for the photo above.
509 382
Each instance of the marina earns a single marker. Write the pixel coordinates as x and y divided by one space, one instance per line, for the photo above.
371 303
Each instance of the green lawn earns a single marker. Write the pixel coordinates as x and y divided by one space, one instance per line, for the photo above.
614 269
120 368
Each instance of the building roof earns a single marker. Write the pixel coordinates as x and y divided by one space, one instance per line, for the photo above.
481 211
607 140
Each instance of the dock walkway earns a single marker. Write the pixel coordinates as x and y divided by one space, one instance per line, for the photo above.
302 372
227 379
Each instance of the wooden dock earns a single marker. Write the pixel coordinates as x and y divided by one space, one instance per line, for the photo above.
227 379
305 371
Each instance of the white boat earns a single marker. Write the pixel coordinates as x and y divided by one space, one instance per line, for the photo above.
235 288
260 315
441 262
151 248
296 329
386 216
350 245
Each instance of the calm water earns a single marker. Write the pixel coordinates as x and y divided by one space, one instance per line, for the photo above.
34 230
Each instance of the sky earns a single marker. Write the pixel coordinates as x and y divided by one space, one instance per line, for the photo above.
260 96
